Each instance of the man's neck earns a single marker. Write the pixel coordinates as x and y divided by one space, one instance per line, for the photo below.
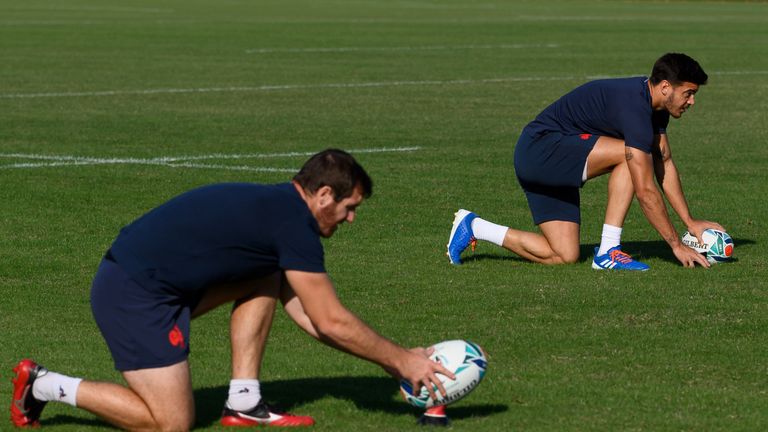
656 96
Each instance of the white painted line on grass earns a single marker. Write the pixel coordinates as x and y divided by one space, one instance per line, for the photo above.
400 48
761 72
81 8
686 18
44 164
274 87
416 4
290 154
170 165
175 161
267 88
498 19
260 88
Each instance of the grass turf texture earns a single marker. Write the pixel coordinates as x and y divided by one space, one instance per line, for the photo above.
569 348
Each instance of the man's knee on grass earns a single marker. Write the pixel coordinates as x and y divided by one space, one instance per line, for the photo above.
567 257
570 258
166 394
179 425
563 240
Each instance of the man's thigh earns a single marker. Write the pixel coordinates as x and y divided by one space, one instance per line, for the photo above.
553 203
144 327
268 286
167 391
553 159
563 238
605 155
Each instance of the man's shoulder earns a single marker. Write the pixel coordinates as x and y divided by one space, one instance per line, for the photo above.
278 192
607 92
246 187
629 84
628 96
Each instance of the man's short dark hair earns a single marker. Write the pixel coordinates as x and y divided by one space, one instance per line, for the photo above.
337 169
677 68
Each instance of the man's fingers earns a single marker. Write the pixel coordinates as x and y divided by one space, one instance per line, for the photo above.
701 260
441 389
717 226
431 388
433 381
442 370
695 258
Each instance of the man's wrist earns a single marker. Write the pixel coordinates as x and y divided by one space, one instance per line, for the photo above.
673 240
676 244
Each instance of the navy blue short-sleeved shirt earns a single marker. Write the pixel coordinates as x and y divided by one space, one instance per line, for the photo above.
618 107
220 233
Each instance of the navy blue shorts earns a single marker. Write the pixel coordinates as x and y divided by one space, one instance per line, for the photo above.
143 327
549 168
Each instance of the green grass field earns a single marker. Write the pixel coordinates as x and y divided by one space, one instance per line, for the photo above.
108 108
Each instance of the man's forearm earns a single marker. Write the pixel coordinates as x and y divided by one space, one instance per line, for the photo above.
641 168
350 334
673 190
655 211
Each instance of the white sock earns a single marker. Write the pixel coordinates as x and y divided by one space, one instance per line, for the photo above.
489 231
611 238
52 386
244 394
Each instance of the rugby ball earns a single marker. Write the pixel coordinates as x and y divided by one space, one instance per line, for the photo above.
467 362
717 246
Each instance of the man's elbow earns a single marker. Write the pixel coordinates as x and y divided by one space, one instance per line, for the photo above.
330 327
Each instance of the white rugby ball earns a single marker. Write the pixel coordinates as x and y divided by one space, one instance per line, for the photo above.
717 245
468 363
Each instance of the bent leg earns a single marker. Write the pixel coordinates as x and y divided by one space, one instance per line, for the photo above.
156 399
161 398
251 319
250 323
558 243
620 194
609 155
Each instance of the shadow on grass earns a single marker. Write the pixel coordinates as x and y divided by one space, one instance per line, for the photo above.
64 419
660 249
638 249
367 393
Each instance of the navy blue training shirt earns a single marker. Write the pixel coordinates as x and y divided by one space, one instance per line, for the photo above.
618 108
221 233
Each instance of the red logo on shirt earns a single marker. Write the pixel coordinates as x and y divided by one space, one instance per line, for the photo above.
585 136
176 337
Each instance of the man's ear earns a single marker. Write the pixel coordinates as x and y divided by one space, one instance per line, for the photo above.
325 195
666 87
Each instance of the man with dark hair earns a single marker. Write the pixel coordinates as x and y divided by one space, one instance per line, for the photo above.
241 242
337 169
615 126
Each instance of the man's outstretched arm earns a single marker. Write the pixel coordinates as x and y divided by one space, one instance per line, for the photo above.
669 179
648 195
335 325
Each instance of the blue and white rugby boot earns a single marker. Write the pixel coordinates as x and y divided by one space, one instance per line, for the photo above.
461 235
615 259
